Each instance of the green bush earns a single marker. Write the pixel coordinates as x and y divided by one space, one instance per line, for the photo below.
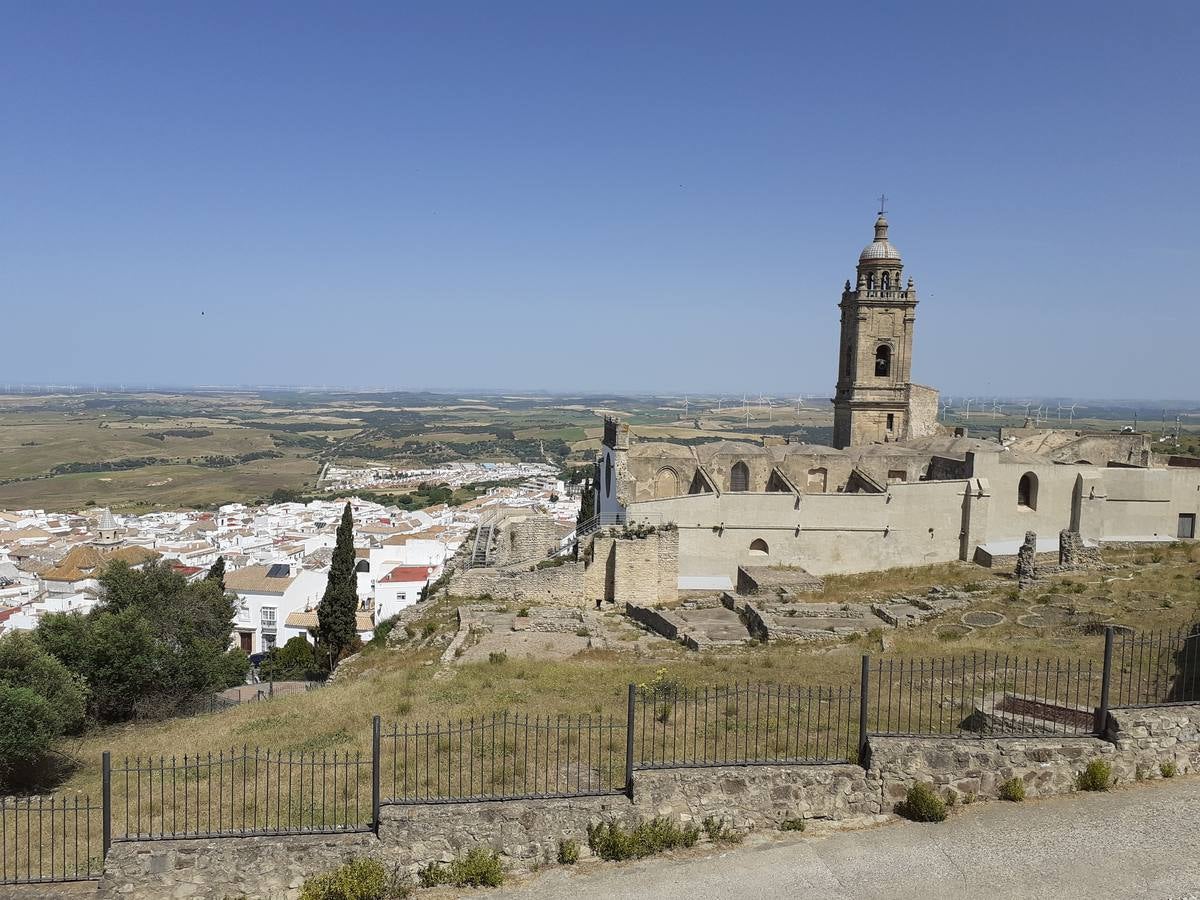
792 823
479 868
922 804
568 852
359 879
294 661
608 840
523 612
718 832
1168 770
1013 790
497 657
1096 777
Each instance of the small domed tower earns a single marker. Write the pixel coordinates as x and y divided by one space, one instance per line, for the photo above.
108 533
875 362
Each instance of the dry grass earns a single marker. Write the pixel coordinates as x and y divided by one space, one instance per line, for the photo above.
404 685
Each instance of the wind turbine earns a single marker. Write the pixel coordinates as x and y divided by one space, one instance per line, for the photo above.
997 409
946 404
685 405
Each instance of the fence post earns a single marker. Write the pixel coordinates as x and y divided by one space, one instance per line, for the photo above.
629 741
376 728
864 689
106 800
1101 724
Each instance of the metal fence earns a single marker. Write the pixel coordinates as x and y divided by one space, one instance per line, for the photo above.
987 693
505 756
1156 668
45 839
241 792
745 724
508 756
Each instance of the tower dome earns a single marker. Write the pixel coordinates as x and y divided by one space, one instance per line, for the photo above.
879 248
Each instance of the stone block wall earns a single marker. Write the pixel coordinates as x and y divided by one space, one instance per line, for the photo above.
524 539
1147 738
270 868
553 586
978 766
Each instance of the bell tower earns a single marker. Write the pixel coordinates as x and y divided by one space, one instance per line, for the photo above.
875 362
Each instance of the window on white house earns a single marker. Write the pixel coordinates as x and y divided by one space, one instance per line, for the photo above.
268 617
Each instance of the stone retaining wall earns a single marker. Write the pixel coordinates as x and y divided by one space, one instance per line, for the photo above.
554 585
527 832
976 767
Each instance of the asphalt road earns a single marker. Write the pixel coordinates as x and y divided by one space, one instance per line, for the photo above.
1140 842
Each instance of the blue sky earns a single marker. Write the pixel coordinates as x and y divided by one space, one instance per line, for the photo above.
608 196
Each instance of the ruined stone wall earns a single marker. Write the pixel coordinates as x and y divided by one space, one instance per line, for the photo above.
553 586
922 412
527 538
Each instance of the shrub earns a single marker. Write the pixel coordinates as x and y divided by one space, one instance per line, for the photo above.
359 879
1096 777
792 823
922 804
568 852
1013 790
497 657
608 840
1168 770
523 612
479 868
430 629
718 832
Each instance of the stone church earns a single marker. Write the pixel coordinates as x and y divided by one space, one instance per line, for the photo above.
896 489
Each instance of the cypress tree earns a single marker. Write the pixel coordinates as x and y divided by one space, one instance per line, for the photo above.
217 572
339 604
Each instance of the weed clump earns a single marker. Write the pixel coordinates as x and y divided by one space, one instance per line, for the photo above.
1168 770
479 868
922 804
610 840
718 832
568 852
496 657
792 823
1096 777
1013 790
359 879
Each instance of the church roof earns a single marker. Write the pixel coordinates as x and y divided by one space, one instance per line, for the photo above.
107 521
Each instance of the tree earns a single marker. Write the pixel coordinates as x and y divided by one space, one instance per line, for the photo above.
216 572
294 661
40 701
155 642
338 609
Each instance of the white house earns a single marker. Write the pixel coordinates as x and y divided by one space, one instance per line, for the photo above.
399 588
268 595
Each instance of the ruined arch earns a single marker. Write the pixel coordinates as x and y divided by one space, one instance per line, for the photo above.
666 483
739 477
758 545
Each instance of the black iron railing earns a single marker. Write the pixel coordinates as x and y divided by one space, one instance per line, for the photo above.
1156 668
744 724
505 756
44 839
239 792
982 694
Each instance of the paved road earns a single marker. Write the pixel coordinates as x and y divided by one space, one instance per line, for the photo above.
1140 842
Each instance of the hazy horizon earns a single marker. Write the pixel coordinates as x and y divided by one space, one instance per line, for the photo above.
599 198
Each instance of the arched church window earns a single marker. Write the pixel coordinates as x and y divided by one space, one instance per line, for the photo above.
870 281
666 483
758 545
883 361
739 477
886 281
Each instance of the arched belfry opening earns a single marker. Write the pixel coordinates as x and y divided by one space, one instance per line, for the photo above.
883 361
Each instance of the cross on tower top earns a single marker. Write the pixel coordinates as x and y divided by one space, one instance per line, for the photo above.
882 202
